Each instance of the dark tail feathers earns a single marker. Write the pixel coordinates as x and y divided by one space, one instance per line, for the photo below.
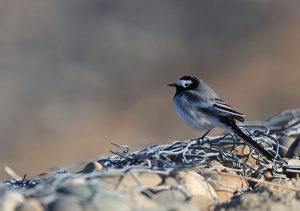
250 141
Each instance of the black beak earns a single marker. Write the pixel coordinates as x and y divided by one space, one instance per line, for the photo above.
174 85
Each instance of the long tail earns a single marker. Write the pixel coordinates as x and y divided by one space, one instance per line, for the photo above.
250 141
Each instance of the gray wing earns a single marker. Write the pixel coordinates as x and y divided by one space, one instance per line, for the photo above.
222 108
214 106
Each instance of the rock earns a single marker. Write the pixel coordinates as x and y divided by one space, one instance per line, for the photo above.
108 200
181 207
30 205
202 193
65 205
91 167
170 181
143 202
75 181
279 122
88 206
292 162
134 179
291 170
217 165
148 178
286 142
294 149
107 203
129 182
268 175
225 184
82 191
11 200
165 197
240 151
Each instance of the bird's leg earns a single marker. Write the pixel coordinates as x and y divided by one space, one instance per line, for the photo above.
203 136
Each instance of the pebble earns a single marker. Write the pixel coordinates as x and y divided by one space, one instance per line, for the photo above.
202 193
83 191
143 202
171 196
225 185
88 206
91 167
181 207
241 150
65 205
133 179
30 205
286 142
294 149
298 195
11 200
111 202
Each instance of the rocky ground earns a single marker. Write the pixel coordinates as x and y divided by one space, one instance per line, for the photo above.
215 173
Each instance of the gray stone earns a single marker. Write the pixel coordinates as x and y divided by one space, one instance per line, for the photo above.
111 201
30 205
294 149
181 207
87 206
286 142
11 200
65 205
83 191
169 196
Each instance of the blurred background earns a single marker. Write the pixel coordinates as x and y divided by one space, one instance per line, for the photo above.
76 75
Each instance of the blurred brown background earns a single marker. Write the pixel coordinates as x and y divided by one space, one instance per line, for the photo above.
76 75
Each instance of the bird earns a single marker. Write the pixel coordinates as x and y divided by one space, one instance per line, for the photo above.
199 106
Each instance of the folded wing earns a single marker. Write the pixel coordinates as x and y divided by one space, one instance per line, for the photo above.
220 108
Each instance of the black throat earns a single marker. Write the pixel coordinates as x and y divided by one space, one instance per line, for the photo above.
193 86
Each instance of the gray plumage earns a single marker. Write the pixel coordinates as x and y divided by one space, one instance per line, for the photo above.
198 106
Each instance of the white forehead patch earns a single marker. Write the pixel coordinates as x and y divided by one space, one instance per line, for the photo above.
184 83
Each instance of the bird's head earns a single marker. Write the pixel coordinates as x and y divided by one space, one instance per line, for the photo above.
186 83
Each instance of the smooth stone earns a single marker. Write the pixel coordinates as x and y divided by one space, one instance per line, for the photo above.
169 196
91 167
128 189
181 207
217 165
111 201
87 206
240 151
30 205
225 184
80 190
148 178
134 179
202 193
11 200
75 181
278 122
294 149
142 202
286 142
65 205
298 195
268 175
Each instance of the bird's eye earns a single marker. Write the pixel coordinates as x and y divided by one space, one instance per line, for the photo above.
186 85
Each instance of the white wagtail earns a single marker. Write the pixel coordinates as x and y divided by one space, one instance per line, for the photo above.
198 106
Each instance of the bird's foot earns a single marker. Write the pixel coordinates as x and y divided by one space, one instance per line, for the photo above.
200 140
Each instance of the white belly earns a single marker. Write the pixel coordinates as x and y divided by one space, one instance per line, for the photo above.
193 117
